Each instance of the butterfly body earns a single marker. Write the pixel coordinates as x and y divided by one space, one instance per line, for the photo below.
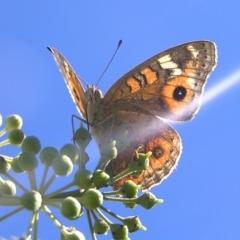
168 86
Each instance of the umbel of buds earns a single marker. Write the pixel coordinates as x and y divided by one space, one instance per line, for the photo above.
86 192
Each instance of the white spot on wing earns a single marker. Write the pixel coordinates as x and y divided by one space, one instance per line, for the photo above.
192 82
193 50
165 58
176 72
166 62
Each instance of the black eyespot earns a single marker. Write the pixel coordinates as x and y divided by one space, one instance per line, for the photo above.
179 93
158 152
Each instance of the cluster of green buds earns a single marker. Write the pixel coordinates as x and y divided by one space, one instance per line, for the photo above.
89 195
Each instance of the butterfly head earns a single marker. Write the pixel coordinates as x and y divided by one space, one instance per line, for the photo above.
93 94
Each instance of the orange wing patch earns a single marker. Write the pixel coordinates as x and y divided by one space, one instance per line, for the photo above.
151 76
133 84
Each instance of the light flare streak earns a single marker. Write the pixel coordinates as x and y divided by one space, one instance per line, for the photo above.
221 87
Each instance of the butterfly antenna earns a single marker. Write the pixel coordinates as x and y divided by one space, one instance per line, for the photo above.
118 46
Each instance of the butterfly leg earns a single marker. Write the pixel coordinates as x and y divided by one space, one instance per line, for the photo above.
81 120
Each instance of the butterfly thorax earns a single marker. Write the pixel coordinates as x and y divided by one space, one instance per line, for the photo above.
97 114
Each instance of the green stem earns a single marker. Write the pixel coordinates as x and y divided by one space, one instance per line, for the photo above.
6 200
44 177
94 215
111 213
112 193
102 163
59 225
120 175
54 204
58 193
35 227
7 158
11 213
4 143
90 224
123 200
16 182
105 163
3 131
30 227
103 217
32 179
49 182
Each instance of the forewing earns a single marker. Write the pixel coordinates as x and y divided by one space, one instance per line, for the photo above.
168 85
73 83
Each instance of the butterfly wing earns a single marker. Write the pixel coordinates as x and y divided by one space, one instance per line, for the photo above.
150 134
168 85
74 85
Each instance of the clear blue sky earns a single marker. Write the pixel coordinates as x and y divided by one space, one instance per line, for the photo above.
201 197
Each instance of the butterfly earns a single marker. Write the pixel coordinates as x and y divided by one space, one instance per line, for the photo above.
166 87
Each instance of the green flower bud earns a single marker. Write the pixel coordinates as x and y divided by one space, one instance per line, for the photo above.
72 234
13 122
82 137
141 162
133 223
48 154
8 187
100 178
148 200
71 151
130 205
108 152
119 232
92 199
31 144
4 165
27 161
129 189
71 208
16 137
100 227
83 179
15 167
62 165
31 200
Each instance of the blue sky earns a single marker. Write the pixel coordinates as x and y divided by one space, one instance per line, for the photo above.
201 197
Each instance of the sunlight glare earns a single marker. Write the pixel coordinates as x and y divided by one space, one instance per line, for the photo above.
221 87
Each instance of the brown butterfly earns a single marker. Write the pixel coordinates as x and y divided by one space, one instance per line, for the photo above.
166 87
